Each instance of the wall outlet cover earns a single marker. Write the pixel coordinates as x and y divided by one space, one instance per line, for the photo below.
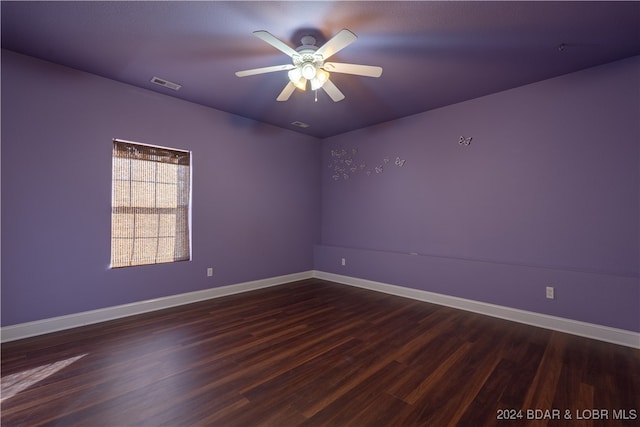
550 292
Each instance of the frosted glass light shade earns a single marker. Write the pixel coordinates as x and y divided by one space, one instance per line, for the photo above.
295 76
308 71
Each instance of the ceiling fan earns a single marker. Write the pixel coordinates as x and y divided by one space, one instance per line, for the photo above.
309 64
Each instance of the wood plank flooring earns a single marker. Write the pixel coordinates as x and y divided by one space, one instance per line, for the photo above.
315 353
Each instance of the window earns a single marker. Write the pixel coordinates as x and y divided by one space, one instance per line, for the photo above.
150 207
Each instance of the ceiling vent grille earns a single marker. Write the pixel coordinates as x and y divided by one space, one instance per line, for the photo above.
165 83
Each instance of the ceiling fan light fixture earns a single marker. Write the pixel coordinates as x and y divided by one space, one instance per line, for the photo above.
309 71
316 84
301 84
295 76
321 77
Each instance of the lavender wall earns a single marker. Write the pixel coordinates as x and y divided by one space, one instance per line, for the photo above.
546 194
255 192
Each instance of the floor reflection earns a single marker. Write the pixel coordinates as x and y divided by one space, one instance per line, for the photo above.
15 383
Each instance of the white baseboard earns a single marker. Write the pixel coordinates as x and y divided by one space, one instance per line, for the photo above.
54 324
574 327
584 329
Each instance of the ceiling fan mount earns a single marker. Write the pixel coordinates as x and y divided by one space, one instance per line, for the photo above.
308 41
309 64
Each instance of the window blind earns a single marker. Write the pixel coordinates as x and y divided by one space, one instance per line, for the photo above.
150 209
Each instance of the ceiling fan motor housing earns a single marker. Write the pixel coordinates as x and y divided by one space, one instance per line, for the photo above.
308 41
306 57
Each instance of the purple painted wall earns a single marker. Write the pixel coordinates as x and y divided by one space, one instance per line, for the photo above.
255 192
547 193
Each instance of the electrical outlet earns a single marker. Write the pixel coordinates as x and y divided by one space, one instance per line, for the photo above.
551 292
344 262
209 272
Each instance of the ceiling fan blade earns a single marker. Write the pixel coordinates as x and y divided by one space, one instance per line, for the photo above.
286 92
333 92
338 42
275 42
359 70
264 70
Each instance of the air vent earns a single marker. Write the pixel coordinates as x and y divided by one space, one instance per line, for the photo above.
300 124
165 83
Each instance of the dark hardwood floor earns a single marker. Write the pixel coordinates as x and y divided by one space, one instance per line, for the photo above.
314 353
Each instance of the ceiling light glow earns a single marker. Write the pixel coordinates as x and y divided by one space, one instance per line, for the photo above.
321 77
301 84
295 76
308 71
